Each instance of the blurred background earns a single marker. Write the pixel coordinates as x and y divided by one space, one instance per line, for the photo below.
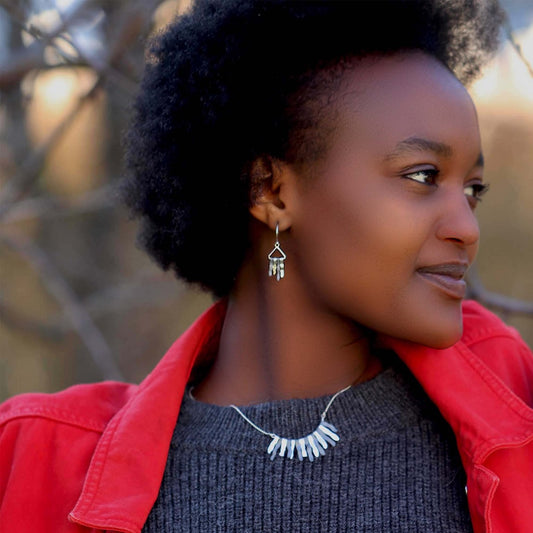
78 301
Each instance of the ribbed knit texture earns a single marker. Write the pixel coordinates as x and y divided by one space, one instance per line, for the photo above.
395 469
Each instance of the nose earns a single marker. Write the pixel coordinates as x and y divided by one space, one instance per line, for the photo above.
458 222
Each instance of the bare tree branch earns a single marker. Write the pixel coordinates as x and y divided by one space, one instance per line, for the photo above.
496 301
137 293
53 207
29 171
58 287
16 320
518 49
42 38
141 292
35 60
22 62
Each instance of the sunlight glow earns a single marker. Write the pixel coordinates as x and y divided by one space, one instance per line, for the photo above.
507 83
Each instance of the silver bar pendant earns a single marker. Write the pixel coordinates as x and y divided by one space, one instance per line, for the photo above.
330 426
272 444
329 432
320 440
301 443
309 447
313 445
292 446
326 437
283 447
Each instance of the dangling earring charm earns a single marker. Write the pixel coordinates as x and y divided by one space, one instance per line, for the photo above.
276 259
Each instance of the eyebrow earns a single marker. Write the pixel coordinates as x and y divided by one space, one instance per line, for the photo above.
419 144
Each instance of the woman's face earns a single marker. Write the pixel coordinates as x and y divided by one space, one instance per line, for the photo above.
384 233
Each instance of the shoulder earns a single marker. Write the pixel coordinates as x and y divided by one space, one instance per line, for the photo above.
88 407
49 440
63 427
500 348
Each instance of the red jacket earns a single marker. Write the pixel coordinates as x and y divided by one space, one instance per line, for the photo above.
91 458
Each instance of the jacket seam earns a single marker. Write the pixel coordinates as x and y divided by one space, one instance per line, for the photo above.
490 496
515 404
56 415
106 521
497 445
491 379
93 482
486 333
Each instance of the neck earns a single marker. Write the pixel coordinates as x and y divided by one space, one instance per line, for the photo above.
276 344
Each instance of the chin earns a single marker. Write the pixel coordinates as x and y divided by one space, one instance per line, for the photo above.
442 337
440 326
438 331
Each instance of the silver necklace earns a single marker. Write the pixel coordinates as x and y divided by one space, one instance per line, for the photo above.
310 446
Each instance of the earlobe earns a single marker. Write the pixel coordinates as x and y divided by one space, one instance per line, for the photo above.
268 181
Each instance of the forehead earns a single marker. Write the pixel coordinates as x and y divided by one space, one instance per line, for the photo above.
387 99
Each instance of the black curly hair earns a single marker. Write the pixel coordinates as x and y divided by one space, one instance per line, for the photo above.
235 80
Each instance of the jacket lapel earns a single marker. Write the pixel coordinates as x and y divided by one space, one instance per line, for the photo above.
484 414
127 467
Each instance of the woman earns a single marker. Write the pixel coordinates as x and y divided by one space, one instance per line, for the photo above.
316 166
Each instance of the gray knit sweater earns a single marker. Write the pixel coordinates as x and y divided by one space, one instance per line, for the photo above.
395 469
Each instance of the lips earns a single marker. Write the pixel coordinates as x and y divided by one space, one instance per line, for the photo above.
447 277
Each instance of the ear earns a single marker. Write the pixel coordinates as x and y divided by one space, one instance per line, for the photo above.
270 183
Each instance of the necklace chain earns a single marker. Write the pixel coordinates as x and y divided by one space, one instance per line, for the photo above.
268 434
310 446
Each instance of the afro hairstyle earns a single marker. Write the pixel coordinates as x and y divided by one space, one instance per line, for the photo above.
231 81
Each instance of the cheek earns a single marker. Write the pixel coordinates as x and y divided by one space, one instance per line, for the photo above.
359 249
357 257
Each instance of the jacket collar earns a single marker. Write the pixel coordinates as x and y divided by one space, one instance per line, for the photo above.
127 466
482 411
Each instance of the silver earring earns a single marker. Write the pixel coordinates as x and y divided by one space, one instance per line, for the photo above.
276 259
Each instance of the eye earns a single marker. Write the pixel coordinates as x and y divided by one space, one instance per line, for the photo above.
476 190
426 176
